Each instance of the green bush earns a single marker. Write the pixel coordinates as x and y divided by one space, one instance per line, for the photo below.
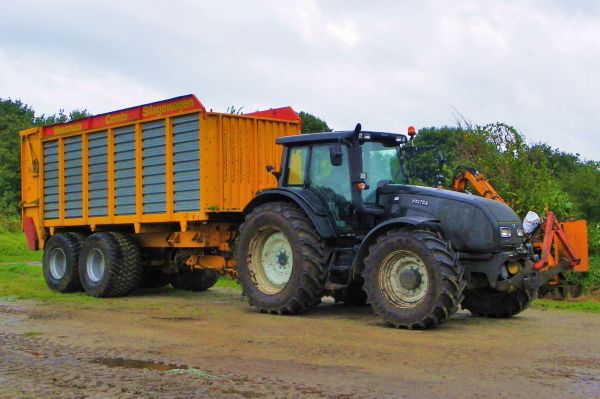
590 280
594 238
9 224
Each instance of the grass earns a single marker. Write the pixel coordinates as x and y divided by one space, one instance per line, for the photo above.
22 281
13 248
576 305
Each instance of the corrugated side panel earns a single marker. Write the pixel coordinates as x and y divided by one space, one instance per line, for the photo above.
238 160
73 188
153 175
248 147
98 174
186 163
51 179
125 170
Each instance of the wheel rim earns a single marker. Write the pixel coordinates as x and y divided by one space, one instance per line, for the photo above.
403 279
58 263
271 262
95 265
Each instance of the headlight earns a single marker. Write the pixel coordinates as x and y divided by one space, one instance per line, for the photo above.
520 231
505 232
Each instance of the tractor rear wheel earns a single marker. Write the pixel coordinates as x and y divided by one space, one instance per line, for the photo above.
413 279
488 302
282 261
61 262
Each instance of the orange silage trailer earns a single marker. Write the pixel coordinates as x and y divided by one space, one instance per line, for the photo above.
169 177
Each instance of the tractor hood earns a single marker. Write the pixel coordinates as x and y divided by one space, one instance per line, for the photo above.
472 223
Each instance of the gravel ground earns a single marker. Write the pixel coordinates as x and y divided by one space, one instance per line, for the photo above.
155 345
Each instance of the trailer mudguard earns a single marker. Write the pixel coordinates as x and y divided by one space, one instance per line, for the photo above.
308 201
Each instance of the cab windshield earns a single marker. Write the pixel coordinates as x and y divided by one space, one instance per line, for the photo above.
381 164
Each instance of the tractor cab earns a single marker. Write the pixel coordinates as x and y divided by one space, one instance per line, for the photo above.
344 170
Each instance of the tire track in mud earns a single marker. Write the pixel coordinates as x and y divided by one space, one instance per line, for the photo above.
33 367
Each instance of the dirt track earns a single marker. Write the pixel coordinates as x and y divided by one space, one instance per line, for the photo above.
125 347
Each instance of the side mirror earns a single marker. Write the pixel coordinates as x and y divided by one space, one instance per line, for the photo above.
272 171
335 154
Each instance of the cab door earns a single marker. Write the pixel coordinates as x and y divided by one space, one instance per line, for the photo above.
332 184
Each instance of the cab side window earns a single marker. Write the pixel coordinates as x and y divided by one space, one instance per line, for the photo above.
332 183
296 167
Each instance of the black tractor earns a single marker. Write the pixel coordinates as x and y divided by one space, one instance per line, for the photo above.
344 221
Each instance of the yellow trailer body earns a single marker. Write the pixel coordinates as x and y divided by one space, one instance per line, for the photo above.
156 170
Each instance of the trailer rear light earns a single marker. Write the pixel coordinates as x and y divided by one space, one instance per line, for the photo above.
505 232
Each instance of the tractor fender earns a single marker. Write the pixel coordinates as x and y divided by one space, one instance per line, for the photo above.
363 249
308 201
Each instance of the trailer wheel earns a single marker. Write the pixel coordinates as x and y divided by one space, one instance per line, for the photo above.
61 263
282 262
110 265
413 279
487 302
152 278
195 280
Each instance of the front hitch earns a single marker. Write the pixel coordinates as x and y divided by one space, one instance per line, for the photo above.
531 279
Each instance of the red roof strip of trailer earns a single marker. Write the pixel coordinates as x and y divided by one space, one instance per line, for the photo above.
133 114
283 113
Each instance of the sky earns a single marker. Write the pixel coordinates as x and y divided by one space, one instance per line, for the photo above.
386 64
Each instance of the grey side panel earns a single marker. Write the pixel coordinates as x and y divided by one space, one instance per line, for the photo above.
153 175
73 181
125 170
186 163
51 179
98 174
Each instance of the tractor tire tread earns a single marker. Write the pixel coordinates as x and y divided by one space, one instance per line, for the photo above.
452 284
314 252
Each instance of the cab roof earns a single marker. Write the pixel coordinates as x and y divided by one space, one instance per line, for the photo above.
332 137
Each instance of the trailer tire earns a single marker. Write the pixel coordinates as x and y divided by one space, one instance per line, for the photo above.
60 263
110 264
487 302
282 261
413 279
195 280
152 278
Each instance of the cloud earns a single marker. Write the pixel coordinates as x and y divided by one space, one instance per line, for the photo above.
530 64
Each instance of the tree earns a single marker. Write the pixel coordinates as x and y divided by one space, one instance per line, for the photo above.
527 177
313 124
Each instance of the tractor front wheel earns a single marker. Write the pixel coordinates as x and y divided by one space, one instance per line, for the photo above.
413 279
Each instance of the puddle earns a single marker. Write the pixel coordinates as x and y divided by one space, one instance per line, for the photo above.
137 364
